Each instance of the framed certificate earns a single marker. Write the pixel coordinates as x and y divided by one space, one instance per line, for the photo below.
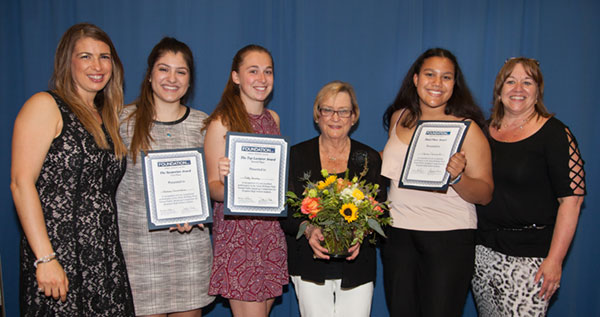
257 181
176 188
430 149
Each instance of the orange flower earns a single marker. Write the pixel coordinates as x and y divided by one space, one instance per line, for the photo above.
310 206
374 203
341 184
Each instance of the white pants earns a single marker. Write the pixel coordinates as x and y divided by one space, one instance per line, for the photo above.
330 300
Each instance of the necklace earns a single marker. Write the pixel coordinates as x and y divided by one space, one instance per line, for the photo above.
340 153
164 128
520 126
168 126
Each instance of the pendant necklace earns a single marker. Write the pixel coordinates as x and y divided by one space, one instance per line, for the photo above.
166 125
523 123
332 158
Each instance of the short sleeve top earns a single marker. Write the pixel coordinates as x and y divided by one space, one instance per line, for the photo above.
529 177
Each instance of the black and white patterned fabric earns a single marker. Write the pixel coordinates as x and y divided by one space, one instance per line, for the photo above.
168 271
76 186
504 285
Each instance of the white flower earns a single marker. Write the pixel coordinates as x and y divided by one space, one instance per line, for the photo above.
347 193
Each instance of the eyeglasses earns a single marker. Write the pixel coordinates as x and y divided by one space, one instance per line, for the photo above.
523 58
327 112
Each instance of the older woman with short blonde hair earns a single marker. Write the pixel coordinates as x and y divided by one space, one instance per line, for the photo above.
326 286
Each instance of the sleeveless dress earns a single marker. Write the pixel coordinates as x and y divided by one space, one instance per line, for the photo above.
168 271
76 186
250 253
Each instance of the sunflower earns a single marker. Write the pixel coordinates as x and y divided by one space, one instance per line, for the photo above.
328 181
349 212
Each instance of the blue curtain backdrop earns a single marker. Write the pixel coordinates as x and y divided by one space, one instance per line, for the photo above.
370 44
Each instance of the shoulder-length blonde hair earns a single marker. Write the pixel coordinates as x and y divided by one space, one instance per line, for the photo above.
532 68
108 101
230 109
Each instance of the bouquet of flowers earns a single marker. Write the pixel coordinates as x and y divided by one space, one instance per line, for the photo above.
345 210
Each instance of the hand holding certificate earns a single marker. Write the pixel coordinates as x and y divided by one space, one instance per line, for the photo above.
432 145
257 181
176 189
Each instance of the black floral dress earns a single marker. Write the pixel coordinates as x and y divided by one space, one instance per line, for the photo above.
76 186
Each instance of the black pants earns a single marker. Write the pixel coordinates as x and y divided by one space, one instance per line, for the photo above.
427 273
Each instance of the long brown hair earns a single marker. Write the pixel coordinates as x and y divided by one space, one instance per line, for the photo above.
145 112
532 68
108 101
230 109
461 104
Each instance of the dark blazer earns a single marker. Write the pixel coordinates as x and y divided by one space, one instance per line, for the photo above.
304 157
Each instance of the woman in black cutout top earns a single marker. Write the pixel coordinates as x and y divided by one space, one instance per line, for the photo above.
525 232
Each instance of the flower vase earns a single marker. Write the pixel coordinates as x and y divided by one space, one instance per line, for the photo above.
337 240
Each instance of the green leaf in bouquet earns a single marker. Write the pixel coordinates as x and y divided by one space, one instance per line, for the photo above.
375 226
328 222
291 194
301 229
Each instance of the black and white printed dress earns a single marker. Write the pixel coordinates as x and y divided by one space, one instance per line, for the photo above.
76 186
169 271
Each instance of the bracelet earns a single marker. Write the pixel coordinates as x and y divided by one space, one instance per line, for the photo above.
45 259
456 180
